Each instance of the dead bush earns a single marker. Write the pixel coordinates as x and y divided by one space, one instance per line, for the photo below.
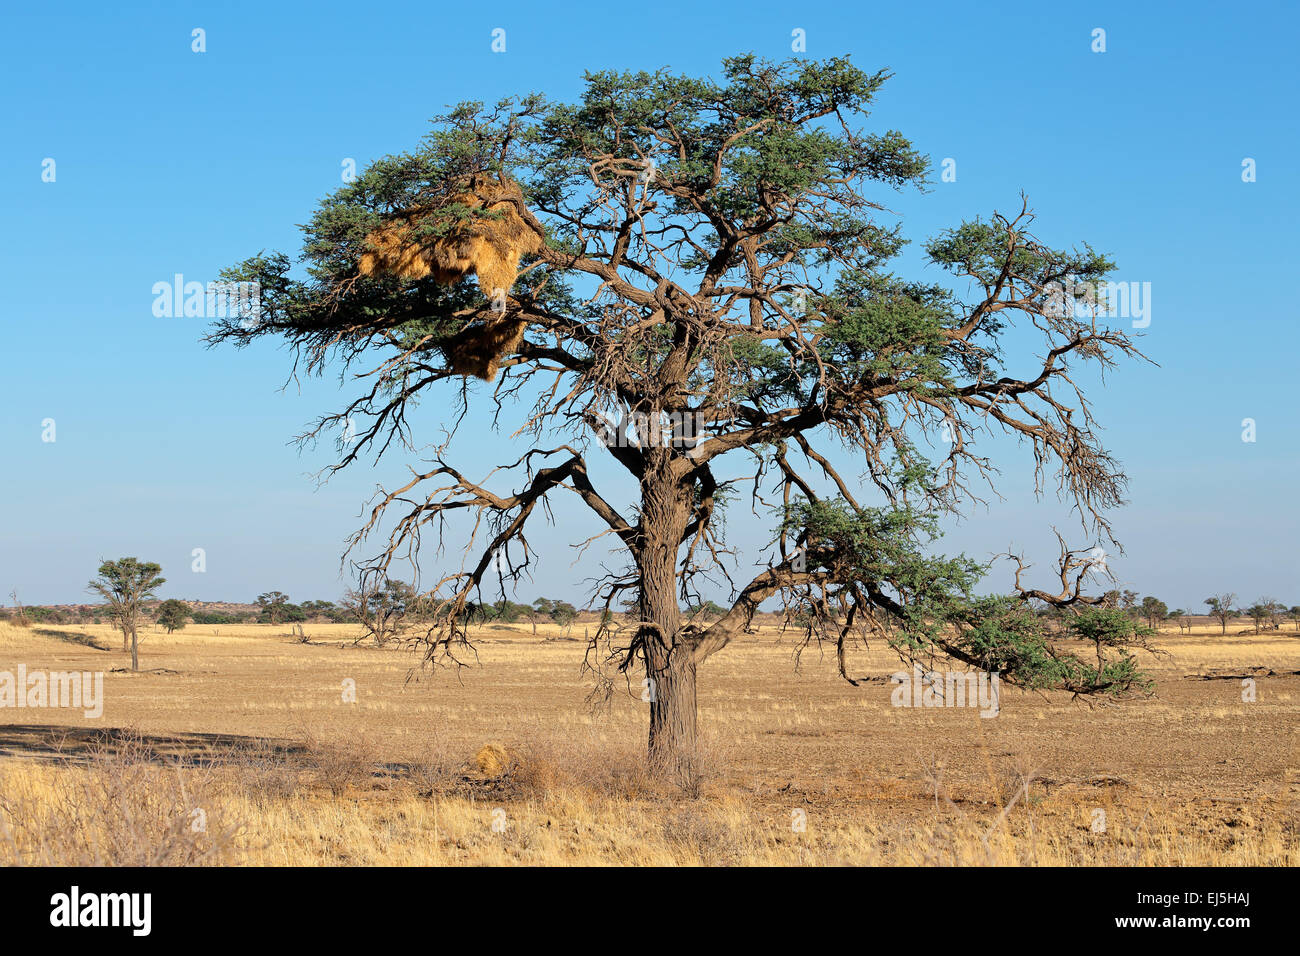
340 765
126 805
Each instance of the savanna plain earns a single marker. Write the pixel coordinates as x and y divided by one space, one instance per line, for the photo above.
252 745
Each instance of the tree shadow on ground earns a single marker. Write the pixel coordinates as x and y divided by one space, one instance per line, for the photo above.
71 637
82 745
86 746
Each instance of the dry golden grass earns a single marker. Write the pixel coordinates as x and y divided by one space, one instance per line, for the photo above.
252 729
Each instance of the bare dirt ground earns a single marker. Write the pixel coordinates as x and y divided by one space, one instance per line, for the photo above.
252 728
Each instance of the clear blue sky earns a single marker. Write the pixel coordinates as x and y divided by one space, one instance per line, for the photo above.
170 161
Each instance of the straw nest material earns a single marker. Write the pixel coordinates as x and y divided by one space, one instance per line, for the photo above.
488 246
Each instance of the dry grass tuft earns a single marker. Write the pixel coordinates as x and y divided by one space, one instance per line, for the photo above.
128 807
492 760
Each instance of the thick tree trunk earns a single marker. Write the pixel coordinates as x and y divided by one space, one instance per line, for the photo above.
670 666
674 729
135 651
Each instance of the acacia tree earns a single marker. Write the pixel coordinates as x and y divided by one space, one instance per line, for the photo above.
172 614
1222 608
124 583
1154 610
381 607
274 605
713 284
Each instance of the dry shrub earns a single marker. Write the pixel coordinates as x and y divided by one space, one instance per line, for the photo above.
127 805
543 768
488 246
264 773
340 765
705 837
436 768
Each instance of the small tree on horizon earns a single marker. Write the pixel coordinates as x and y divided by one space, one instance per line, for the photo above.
123 584
20 613
1264 610
1222 608
1154 610
381 607
172 614
273 605
1276 612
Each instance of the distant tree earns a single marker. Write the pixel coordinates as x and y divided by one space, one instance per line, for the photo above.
1294 614
508 612
1268 611
563 613
172 614
1276 612
323 610
217 617
534 614
123 584
1112 628
272 604
1222 607
20 613
705 610
1258 613
381 607
1154 610
49 615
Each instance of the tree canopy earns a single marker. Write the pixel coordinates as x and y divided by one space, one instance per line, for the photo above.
715 284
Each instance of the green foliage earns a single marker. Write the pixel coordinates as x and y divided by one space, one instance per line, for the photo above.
502 612
124 584
561 612
324 611
172 614
46 615
977 249
1154 610
275 607
706 611
216 617
1108 627
933 607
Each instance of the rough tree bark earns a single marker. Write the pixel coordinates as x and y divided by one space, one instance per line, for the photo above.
670 665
